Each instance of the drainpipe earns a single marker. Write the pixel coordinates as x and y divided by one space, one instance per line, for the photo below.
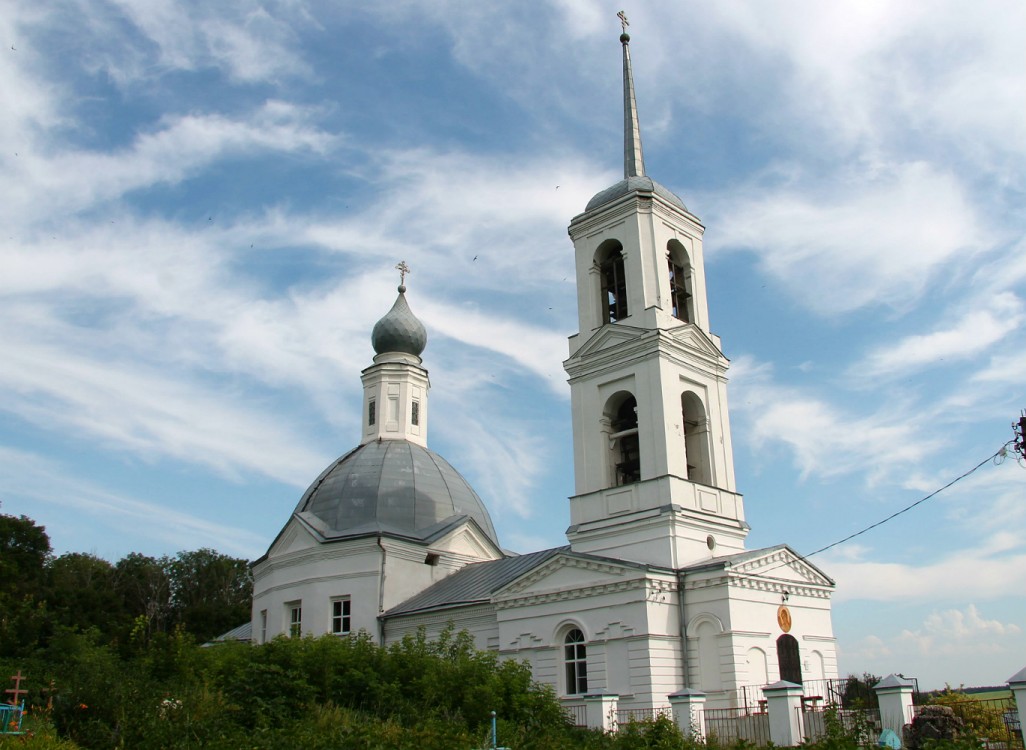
683 630
381 594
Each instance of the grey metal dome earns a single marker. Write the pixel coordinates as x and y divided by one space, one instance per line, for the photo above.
392 486
637 183
399 330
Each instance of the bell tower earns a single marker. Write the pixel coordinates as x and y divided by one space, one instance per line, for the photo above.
653 464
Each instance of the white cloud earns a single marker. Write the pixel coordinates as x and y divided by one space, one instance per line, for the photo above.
978 330
867 242
824 439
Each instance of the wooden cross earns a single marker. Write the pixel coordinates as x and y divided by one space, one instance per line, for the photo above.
623 20
403 269
17 690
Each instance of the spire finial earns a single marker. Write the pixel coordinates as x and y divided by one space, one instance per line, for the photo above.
633 158
403 269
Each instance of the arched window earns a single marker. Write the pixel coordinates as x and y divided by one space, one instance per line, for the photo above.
575 660
788 659
696 438
614 284
625 448
679 268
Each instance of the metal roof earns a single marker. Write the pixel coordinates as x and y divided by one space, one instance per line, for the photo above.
473 584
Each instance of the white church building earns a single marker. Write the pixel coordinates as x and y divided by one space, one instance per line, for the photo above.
655 591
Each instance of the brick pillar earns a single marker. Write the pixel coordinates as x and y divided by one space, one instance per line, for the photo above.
688 713
895 697
784 704
600 710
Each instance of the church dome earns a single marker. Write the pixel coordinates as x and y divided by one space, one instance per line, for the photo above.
638 183
399 330
392 486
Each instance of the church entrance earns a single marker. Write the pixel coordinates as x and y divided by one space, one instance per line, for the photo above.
788 659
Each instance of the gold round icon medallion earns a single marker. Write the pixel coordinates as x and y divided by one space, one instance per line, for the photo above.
784 618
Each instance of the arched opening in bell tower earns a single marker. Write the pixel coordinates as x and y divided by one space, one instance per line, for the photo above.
696 438
624 447
613 280
680 275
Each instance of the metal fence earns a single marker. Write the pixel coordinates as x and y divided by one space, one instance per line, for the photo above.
627 715
576 713
728 725
862 723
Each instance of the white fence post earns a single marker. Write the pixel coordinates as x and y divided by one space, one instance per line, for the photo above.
600 710
894 694
784 704
687 705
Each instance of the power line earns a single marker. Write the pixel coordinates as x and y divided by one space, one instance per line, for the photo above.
1000 453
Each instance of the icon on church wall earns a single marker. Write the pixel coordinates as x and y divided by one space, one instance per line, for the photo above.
784 618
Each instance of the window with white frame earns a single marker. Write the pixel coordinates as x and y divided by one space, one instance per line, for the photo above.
263 626
341 614
575 661
295 611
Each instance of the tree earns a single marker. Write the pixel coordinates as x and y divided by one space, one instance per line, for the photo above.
80 594
210 592
24 553
143 585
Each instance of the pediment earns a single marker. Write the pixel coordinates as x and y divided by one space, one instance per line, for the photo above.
467 540
694 339
568 571
782 564
609 337
295 537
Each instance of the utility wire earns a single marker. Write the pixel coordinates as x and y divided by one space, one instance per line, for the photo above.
1001 452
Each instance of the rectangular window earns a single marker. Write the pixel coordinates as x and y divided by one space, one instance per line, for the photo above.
295 619
341 610
371 412
263 626
415 413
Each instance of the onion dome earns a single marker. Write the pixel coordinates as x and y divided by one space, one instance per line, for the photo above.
399 331
392 487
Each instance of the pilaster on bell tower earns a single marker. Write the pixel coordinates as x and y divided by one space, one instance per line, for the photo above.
653 463
395 387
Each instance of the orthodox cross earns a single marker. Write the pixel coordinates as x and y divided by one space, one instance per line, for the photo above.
17 690
623 20
403 269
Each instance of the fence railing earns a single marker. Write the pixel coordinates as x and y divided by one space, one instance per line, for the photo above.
728 725
576 713
862 723
626 715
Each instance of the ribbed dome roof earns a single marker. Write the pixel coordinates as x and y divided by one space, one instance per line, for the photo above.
392 486
642 183
399 330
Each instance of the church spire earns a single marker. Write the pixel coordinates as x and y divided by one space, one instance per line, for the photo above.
633 158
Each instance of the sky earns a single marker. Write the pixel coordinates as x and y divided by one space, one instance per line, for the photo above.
202 205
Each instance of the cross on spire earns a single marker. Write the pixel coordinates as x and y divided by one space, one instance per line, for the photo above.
403 269
623 20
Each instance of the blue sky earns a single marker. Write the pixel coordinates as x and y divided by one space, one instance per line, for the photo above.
202 204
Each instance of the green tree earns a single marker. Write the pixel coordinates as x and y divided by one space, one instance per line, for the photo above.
80 594
143 586
24 553
210 592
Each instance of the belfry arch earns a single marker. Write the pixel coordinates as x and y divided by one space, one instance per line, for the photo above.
681 278
621 416
695 425
612 281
